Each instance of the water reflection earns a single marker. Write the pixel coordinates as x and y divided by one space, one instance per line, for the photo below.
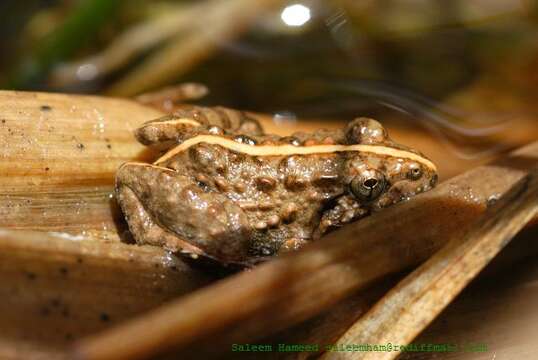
295 15
450 125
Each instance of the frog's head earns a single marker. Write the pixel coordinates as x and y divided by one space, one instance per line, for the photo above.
382 172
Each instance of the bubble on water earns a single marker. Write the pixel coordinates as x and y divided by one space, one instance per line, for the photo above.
284 118
87 72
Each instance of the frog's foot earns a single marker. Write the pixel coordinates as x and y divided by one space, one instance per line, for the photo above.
165 208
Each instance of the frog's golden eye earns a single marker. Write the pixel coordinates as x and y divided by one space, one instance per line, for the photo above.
415 172
368 188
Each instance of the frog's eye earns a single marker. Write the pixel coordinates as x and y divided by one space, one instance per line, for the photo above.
368 188
415 172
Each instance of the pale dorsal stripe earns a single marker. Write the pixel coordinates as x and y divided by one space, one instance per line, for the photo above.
285 149
175 122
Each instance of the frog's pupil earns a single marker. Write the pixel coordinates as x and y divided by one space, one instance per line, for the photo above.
370 183
415 173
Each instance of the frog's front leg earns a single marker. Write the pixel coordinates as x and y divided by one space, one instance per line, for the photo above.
165 208
345 211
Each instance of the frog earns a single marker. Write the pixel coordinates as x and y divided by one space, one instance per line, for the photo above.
224 190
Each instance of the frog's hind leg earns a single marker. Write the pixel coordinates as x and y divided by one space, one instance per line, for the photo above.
165 208
141 224
190 121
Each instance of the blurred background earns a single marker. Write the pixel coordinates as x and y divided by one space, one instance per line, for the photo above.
455 79
464 72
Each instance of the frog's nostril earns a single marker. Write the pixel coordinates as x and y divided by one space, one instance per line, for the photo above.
433 180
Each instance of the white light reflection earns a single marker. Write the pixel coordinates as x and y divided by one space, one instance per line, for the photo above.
295 15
